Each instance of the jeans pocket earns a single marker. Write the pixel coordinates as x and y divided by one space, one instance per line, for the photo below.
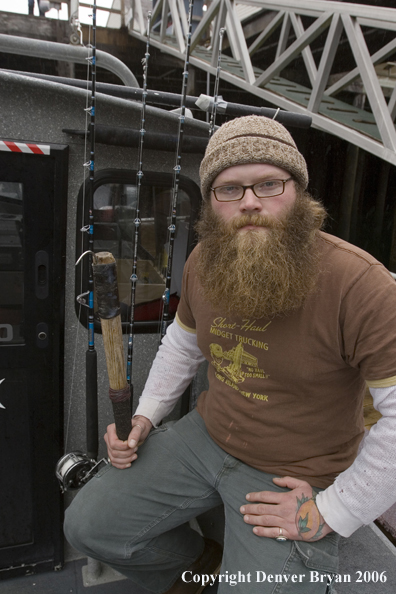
311 567
321 555
321 558
157 430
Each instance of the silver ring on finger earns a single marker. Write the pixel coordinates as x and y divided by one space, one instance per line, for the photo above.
137 425
281 537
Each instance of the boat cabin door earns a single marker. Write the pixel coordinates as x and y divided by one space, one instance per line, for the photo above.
33 197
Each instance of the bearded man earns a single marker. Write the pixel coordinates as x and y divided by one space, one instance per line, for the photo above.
293 323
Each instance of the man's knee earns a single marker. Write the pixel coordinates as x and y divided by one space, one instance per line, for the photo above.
76 527
83 525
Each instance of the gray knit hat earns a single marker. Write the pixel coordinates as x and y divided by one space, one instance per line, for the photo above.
251 139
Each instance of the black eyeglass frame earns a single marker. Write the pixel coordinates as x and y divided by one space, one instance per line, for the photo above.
284 181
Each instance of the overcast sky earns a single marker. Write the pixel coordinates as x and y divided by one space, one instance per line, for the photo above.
21 6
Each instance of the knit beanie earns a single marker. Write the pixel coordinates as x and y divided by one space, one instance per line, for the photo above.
251 139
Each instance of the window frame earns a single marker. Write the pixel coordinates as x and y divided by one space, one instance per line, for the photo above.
125 177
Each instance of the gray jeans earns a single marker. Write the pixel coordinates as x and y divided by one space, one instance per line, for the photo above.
136 520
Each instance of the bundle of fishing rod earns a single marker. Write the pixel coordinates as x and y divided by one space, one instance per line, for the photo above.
76 468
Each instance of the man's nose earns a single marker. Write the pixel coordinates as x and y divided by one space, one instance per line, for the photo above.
250 202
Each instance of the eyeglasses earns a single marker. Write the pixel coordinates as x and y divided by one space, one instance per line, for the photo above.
264 189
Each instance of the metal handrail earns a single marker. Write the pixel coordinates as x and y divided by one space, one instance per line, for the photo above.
38 48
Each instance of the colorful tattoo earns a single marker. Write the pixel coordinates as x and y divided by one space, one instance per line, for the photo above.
309 520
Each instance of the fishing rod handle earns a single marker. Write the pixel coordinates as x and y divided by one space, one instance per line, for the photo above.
105 275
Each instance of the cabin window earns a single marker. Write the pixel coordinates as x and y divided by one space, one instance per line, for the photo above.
11 263
114 231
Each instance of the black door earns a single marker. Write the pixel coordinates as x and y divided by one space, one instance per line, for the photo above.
33 197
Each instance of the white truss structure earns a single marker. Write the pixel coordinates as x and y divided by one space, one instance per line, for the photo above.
294 25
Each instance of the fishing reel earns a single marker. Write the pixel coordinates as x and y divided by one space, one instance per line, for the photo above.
75 469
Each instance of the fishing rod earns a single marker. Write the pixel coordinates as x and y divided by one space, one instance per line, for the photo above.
74 469
109 312
176 178
216 85
139 176
91 354
162 98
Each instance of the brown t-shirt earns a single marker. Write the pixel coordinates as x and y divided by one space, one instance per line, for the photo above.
285 394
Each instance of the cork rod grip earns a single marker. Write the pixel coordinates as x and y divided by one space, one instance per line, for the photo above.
105 277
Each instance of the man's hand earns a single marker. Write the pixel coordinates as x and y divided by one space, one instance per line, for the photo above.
122 453
294 511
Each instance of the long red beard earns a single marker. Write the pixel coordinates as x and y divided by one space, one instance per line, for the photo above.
255 273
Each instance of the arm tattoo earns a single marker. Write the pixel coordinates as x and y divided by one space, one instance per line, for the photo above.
309 520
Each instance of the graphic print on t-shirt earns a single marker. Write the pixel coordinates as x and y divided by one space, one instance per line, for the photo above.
234 366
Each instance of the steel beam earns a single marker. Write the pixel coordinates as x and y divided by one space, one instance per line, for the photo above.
370 81
326 63
295 49
340 120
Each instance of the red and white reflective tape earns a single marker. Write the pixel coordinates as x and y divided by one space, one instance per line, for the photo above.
25 147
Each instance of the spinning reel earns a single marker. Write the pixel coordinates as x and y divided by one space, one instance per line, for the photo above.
75 469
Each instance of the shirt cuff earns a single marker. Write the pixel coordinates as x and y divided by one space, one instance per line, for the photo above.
152 409
335 513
